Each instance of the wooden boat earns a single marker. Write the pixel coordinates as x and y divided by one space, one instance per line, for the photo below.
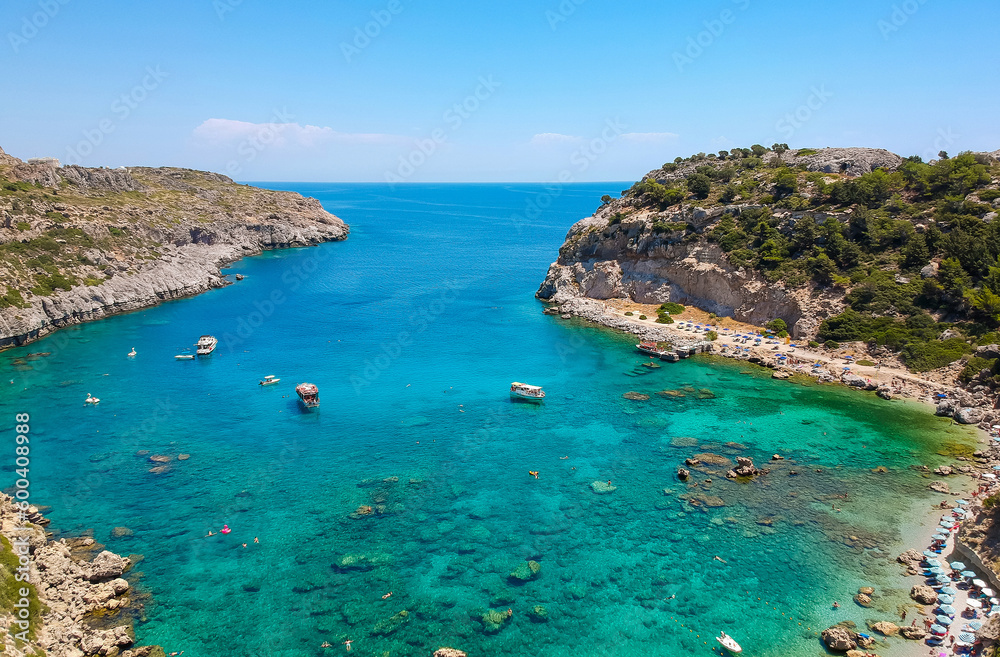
308 394
527 392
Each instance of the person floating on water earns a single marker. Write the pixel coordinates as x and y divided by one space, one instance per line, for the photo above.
533 473
326 644
718 558
226 529
210 533
387 595
836 605
348 644
255 540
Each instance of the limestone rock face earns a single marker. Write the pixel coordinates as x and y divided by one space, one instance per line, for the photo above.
885 627
925 595
839 638
913 633
107 565
855 161
939 487
215 222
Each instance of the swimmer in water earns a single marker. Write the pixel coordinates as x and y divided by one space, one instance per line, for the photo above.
326 644
210 533
718 558
255 540
387 595
836 605
533 473
348 644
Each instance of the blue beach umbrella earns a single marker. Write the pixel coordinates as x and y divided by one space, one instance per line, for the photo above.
996 467
949 590
937 570
968 574
961 502
974 625
966 637
942 579
947 609
957 565
928 553
941 537
944 620
939 629
946 599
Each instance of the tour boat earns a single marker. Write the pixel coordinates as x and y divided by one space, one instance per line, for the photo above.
269 379
206 344
184 356
651 349
309 394
525 391
728 643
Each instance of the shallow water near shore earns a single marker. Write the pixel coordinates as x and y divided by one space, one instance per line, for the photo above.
412 478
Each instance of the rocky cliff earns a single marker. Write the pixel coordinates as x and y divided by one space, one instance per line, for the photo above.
66 598
752 242
78 244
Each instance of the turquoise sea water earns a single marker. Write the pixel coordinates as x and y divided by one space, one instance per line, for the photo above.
413 329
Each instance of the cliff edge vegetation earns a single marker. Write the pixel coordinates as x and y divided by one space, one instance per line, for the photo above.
842 244
78 244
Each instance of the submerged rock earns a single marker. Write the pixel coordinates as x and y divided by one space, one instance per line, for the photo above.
939 487
448 652
538 614
494 621
884 627
602 487
358 562
635 396
683 474
387 626
525 571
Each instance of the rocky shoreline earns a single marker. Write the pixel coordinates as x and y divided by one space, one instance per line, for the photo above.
81 244
81 596
965 407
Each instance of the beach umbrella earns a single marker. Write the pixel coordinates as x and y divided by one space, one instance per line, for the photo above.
947 523
939 629
979 583
968 573
949 590
974 625
943 579
957 565
966 637
941 537
961 502
928 553
946 599
944 620
988 592
937 570
947 609
975 604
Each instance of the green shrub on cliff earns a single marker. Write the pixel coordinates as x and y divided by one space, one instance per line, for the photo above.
672 308
10 591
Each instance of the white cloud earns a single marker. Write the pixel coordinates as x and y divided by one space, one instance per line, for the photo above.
554 138
649 137
216 131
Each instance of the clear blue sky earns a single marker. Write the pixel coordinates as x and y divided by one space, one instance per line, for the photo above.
270 91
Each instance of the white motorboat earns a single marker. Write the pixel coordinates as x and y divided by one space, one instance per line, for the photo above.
206 344
184 356
527 392
729 643
269 379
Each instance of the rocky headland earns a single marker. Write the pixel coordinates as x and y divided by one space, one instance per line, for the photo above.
65 598
78 244
748 237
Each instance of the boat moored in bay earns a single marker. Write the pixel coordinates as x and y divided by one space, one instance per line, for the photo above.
308 394
206 344
528 392
269 380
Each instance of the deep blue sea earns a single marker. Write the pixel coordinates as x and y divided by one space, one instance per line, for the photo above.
412 477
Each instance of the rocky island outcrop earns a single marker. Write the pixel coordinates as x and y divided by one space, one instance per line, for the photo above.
78 244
